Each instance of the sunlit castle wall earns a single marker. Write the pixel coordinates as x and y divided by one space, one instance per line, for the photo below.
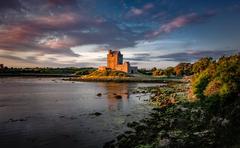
115 62
114 58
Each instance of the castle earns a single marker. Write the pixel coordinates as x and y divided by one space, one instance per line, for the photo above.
115 62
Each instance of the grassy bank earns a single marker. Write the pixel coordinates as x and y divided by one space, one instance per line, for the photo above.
119 76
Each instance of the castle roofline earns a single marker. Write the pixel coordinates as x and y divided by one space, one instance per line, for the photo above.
114 51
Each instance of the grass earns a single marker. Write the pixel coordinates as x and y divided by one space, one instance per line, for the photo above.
107 73
119 76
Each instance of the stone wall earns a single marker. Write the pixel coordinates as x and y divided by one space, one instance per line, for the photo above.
123 67
133 69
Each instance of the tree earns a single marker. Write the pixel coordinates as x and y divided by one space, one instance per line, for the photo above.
153 69
169 71
183 69
158 72
220 79
201 64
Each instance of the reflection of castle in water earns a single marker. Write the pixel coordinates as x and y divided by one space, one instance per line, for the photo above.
114 89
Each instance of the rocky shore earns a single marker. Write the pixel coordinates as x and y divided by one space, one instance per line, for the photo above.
179 121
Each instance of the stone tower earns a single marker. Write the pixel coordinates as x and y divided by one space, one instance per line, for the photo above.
114 58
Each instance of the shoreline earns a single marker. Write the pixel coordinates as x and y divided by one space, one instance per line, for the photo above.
36 75
128 79
178 120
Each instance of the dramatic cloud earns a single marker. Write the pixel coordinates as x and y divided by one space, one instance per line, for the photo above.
59 32
74 32
179 22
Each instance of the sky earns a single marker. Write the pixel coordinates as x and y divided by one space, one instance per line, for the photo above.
149 33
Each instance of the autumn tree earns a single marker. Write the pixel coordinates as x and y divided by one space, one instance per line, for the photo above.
221 79
183 69
201 64
158 72
169 71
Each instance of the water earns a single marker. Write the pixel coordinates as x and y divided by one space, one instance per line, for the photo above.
49 112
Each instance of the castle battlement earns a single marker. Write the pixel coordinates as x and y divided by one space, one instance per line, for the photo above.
115 62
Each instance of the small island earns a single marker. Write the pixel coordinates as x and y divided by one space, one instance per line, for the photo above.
119 71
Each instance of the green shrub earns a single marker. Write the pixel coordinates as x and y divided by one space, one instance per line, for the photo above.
200 83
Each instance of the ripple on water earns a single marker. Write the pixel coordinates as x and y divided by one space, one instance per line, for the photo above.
64 113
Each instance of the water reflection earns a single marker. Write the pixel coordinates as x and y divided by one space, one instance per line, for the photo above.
55 113
115 90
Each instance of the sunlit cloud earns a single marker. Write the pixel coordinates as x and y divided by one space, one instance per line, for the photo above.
148 33
180 22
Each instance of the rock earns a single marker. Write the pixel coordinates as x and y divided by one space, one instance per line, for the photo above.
73 118
12 120
62 116
99 94
118 97
109 144
96 114
201 133
164 142
15 120
132 124
22 119
225 122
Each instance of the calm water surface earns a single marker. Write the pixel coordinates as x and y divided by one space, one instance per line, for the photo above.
49 112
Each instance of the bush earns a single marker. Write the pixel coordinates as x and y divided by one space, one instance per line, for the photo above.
213 88
200 83
220 78
84 71
108 73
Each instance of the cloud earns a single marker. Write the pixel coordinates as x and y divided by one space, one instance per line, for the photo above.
29 38
190 56
78 31
58 21
90 48
10 4
133 12
37 58
52 42
140 57
41 33
179 22
62 2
